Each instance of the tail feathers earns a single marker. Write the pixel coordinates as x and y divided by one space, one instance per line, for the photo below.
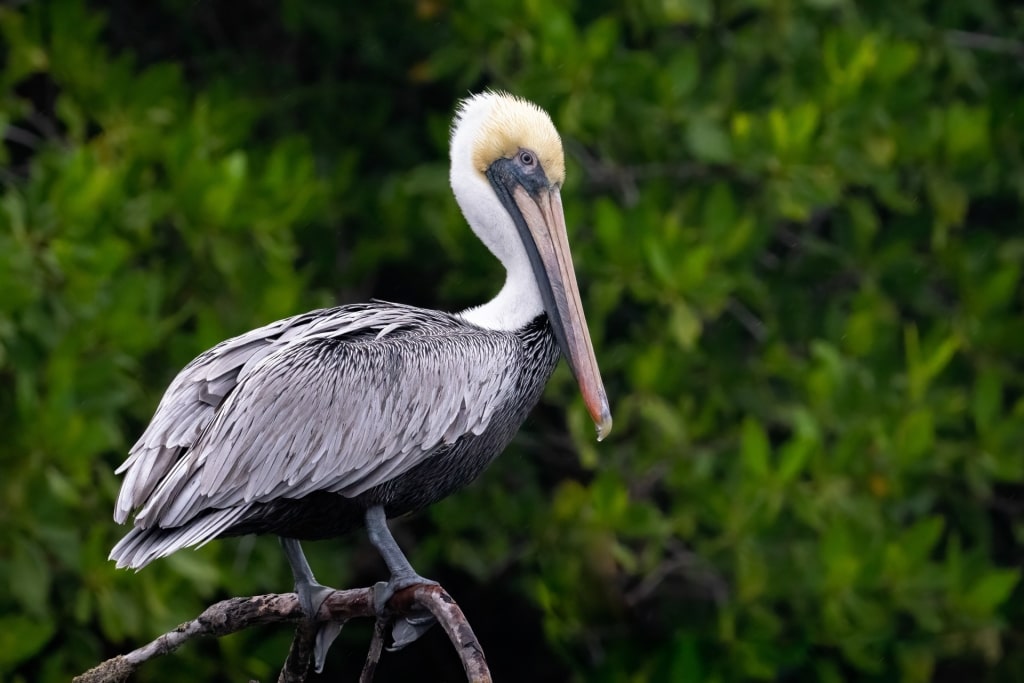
140 546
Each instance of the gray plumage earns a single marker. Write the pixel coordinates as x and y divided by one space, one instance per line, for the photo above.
298 427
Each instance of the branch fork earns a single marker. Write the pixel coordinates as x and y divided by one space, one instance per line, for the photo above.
237 614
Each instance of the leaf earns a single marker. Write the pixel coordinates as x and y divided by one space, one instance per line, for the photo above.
986 399
803 124
687 11
685 659
940 357
967 130
601 37
708 140
685 324
915 435
754 447
21 637
720 214
991 590
30 576
898 60
664 417
919 540
608 224
793 457
923 366
949 201
659 263
681 74
864 220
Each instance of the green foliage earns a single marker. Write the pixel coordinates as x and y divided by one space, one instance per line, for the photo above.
796 225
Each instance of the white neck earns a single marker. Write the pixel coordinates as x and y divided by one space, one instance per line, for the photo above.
519 301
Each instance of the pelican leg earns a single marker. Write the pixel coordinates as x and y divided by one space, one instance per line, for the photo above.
311 596
412 626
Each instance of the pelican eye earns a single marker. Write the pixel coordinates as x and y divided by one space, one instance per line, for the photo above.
526 158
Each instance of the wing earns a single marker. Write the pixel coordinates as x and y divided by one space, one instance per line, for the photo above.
190 403
331 414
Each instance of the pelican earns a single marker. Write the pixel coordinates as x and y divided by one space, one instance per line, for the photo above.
323 422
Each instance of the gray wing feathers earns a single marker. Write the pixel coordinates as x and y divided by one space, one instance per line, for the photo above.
189 404
340 417
326 401
186 409
141 546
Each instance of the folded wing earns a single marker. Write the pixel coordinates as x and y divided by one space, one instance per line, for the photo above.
309 406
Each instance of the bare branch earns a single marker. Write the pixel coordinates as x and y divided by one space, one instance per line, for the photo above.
624 179
296 666
986 43
21 136
754 325
373 656
454 623
680 561
236 614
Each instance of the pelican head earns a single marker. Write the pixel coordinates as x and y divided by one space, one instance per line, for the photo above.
507 170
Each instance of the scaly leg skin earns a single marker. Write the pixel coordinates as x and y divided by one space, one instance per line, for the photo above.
410 627
311 596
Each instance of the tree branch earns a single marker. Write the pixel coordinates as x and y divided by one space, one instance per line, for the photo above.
373 656
454 623
237 614
299 654
986 43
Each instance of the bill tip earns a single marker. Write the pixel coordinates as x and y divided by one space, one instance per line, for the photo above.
604 426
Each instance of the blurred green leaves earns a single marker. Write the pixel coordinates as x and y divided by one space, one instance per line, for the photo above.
797 230
135 231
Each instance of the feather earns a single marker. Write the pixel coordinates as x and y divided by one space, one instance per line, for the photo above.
340 400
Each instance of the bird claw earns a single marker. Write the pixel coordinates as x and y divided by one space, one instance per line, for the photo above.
325 636
312 596
383 591
410 627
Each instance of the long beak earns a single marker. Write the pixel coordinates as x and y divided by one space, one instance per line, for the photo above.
542 212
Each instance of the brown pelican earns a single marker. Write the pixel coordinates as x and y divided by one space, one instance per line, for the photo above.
314 425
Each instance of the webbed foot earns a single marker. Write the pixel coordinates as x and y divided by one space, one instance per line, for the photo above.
311 597
408 628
